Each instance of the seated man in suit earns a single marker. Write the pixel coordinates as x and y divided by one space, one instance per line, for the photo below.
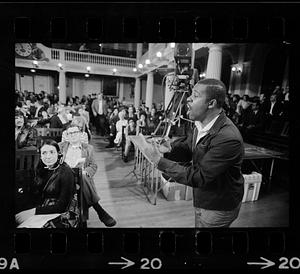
79 154
253 121
56 121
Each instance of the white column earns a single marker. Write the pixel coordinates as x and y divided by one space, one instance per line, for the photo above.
139 51
168 92
137 92
151 51
149 90
17 81
62 87
121 90
214 63
231 82
285 81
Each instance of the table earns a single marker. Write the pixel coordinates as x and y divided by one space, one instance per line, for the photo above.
146 172
253 153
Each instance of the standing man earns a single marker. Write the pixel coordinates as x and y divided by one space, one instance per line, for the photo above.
216 152
99 109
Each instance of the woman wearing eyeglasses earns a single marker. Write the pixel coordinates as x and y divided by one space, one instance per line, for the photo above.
80 122
77 153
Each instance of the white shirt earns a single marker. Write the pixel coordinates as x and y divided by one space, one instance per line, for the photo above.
202 131
72 156
100 111
271 109
62 119
37 111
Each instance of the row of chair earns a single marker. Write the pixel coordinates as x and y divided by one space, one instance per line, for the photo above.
26 161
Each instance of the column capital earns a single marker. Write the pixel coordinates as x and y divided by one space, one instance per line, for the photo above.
150 72
216 47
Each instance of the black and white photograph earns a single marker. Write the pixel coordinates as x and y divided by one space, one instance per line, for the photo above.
151 135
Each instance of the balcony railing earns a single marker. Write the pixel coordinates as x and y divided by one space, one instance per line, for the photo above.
81 57
55 54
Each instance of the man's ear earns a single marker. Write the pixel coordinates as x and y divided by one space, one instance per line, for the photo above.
212 103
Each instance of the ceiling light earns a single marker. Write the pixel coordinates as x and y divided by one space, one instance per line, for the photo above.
140 66
32 70
35 62
88 68
233 68
114 70
134 69
158 54
60 65
87 75
147 62
172 45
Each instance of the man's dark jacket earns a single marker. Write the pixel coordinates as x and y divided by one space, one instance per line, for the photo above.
215 171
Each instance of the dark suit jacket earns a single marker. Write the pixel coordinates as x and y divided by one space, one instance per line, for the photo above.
257 120
54 121
215 169
277 109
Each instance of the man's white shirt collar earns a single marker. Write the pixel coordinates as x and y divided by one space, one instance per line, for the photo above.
202 131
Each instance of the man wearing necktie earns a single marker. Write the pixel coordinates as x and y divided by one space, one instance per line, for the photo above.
216 152
99 109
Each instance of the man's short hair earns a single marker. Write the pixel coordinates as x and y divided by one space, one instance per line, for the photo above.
215 89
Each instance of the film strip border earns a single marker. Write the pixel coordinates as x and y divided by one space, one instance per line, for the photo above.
163 248
152 249
162 29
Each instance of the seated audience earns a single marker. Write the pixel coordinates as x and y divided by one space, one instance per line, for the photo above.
142 125
129 130
80 122
61 120
25 136
264 103
79 154
131 114
114 117
153 120
253 121
122 123
56 181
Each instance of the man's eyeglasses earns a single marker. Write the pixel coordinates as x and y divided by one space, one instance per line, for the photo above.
73 132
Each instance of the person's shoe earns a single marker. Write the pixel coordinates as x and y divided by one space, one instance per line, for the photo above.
107 219
104 216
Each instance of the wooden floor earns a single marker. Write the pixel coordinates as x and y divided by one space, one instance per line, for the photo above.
123 197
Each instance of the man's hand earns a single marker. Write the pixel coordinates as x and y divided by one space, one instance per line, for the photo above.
150 150
165 146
